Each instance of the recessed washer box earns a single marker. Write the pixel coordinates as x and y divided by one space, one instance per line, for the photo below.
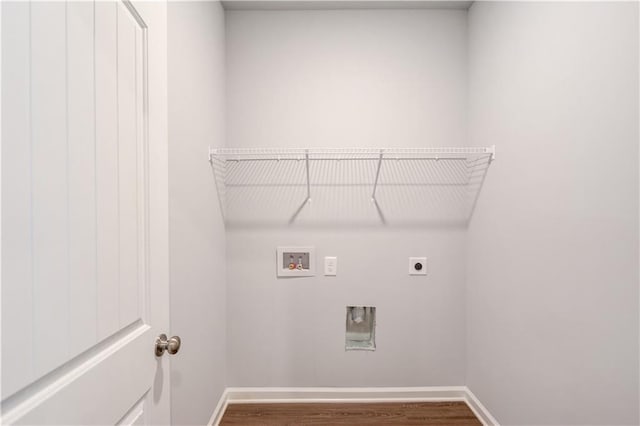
296 261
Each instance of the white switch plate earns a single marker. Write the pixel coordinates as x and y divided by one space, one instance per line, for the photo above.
330 265
422 270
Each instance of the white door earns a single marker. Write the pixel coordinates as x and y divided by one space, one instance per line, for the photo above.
84 212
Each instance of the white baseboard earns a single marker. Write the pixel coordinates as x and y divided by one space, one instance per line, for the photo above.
480 410
220 409
346 395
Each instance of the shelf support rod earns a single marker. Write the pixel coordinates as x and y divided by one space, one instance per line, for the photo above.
375 184
306 159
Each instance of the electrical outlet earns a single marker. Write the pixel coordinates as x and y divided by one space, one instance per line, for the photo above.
417 266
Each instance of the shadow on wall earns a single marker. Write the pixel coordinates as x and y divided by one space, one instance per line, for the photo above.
409 192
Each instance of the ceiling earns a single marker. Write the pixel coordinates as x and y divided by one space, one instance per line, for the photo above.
342 4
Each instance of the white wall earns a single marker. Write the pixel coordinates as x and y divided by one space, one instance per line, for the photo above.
334 79
197 259
553 246
376 78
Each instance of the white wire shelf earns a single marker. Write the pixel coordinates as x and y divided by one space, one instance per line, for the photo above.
265 154
252 180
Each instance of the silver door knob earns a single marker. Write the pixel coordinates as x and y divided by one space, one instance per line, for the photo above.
171 345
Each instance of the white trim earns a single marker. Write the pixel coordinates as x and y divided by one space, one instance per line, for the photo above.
346 395
221 407
480 410
342 4
448 393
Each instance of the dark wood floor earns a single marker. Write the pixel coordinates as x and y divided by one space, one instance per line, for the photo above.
401 413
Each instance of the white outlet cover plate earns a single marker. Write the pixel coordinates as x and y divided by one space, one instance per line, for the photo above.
330 265
412 265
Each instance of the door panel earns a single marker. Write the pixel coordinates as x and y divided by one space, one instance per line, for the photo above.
128 190
82 178
75 399
49 187
136 415
17 300
83 233
107 210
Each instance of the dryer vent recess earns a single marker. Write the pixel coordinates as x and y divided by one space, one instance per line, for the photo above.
360 333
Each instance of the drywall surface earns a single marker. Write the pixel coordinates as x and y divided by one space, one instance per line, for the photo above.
291 331
197 255
378 78
552 279
351 78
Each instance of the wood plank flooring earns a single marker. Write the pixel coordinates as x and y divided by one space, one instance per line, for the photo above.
388 413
